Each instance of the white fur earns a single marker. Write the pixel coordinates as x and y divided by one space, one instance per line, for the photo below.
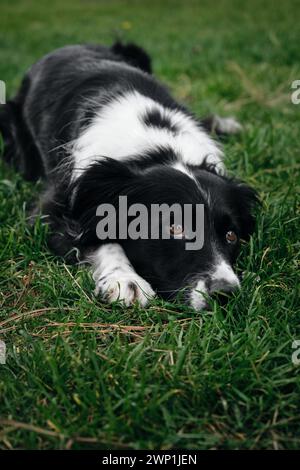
224 279
118 131
184 169
197 296
115 279
224 272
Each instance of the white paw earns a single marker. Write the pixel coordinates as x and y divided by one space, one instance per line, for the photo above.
125 287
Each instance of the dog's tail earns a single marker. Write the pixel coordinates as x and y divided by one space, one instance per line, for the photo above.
133 55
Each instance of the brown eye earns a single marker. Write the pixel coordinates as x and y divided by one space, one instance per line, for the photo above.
176 231
231 237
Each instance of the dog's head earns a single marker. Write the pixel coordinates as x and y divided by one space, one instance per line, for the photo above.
164 261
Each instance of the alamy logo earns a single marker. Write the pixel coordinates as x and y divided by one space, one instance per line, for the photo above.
296 353
2 352
161 221
295 97
2 92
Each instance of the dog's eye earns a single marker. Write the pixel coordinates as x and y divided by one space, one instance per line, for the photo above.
231 237
176 231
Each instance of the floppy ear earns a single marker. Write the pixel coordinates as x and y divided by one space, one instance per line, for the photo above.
102 183
244 200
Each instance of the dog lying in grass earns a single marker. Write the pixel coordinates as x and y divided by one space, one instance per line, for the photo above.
94 124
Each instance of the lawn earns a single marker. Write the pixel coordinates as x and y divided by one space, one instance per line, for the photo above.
80 374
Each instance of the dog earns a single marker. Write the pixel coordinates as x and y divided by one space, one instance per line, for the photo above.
94 124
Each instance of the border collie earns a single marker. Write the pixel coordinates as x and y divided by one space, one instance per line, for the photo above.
94 124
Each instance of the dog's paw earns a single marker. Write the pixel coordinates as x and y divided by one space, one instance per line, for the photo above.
127 288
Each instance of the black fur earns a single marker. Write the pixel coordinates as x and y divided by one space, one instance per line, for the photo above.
134 55
154 118
231 208
58 99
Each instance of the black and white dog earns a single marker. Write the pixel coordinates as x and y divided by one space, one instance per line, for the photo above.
94 124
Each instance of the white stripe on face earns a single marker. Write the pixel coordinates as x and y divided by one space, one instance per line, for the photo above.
223 277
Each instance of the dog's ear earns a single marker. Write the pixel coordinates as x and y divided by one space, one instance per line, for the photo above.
244 200
102 183
133 55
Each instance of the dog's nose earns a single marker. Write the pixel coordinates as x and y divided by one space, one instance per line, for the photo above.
220 288
223 279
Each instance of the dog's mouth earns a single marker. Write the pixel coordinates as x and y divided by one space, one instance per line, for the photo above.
206 291
200 300
202 290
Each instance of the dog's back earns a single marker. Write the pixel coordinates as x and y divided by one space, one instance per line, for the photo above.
56 92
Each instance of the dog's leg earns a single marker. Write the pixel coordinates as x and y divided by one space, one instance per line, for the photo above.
116 279
221 126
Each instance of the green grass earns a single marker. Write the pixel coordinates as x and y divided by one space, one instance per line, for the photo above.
81 374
